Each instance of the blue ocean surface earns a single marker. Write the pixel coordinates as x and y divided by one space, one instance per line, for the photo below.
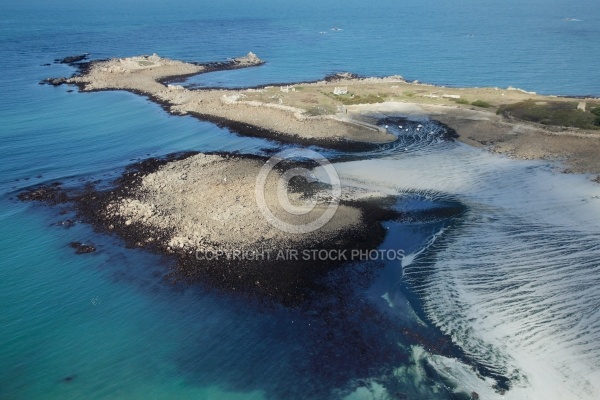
108 325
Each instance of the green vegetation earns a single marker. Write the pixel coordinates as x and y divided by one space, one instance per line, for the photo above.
462 101
408 94
557 113
596 112
317 110
481 103
351 99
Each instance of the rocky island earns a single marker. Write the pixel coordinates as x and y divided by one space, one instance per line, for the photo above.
341 111
202 210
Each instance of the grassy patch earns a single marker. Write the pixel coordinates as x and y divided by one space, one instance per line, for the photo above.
461 101
408 94
350 99
481 103
557 113
318 110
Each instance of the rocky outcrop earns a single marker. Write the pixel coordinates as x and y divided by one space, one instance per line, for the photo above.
72 59
248 60
54 81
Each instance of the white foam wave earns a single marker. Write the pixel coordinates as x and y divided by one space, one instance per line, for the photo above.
516 282
410 258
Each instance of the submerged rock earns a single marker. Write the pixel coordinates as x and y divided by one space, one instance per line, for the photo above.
53 194
67 223
82 248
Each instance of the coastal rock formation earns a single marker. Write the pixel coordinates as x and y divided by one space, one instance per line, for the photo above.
72 59
202 210
208 202
54 81
249 60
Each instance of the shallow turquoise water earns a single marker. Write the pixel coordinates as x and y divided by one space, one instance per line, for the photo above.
108 320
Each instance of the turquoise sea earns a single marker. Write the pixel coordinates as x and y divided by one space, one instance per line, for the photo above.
509 289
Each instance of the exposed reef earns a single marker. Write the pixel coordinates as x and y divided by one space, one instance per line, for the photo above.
72 59
201 210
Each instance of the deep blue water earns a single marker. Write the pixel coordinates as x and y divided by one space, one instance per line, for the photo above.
108 320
